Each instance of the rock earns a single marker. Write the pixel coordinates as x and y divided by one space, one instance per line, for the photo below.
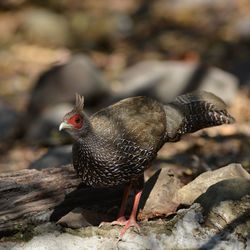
185 231
114 26
158 193
55 157
45 27
166 80
8 123
233 189
60 83
44 129
190 192
11 3
241 27
79 218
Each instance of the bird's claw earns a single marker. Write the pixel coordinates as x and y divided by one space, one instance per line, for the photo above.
121 221
129 223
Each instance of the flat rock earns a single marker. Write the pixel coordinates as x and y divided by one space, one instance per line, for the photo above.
158 193
191 191
80 217
166 80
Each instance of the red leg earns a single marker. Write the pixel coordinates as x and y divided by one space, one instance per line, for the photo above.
121 220
132 219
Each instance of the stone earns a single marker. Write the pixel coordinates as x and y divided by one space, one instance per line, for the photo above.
79 218
190 192
55 157
45 27
185 231
60 83
166 80
157 196
233 189
44 129
8 123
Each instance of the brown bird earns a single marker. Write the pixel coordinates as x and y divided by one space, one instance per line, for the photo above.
117 144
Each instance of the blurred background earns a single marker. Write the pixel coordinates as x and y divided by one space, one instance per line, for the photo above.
107 50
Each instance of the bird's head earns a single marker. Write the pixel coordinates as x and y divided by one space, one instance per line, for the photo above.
75 122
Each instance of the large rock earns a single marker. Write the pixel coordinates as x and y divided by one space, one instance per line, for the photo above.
45 27
166 80
190 192
185 231
60 83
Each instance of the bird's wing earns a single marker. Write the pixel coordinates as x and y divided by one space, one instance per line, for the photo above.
137 119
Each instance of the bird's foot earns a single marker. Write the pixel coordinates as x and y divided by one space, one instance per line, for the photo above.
121 221
129 223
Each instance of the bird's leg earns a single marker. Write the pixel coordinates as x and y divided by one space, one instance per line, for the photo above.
121 220
132 219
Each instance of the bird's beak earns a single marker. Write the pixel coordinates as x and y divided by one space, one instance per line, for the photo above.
64 125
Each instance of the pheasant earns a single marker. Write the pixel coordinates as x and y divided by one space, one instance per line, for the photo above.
117 144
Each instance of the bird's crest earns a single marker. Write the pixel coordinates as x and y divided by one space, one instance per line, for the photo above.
79 102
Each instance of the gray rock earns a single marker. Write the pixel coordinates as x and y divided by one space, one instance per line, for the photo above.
55 157
166 80
190 192
241 27
225 201
80 217
60 83
8 122
44 129
185 231
45 27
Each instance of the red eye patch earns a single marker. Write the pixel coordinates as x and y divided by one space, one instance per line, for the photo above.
76 121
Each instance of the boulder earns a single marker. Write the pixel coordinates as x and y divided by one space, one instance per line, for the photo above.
165 80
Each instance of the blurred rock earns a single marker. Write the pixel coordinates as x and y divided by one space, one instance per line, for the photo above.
158 193
166 80
60 83
44 129
190 192
55 157
80 217
11 3
8 124
241 27
113 26
45 27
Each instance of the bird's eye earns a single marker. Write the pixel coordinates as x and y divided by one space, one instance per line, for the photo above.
78 120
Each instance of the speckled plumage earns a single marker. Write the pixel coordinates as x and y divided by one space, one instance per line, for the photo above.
117 144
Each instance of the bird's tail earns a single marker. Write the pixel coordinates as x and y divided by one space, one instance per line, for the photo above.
194 111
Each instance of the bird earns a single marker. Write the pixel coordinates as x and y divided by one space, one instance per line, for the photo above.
115 145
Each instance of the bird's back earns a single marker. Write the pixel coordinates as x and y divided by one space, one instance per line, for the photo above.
138 119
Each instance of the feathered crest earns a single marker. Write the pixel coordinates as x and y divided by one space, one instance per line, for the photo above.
79 102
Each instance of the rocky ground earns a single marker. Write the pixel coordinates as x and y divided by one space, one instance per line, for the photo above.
49 51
